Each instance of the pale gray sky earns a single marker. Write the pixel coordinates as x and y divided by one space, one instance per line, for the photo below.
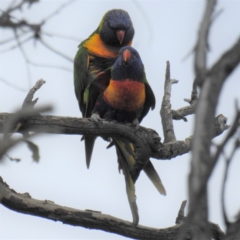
165 30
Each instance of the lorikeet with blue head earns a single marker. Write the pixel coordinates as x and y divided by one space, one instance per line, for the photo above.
127 98
95 54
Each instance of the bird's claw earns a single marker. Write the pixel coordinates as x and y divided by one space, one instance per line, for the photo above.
135 123
95 118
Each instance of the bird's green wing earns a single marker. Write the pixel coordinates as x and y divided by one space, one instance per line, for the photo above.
81 76
82 79
93 90
149 100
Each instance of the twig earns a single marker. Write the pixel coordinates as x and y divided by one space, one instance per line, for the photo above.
64 5
12 38
13 8
228 161
8 143
11 85
28 102
27 110
17 45
188 110
51 34
230 133
24 56
180 217
166 112
148 23
179 148
55 51
49 66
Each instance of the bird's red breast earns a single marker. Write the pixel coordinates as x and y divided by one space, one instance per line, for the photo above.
125 95
96 46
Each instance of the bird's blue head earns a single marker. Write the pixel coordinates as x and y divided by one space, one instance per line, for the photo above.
116 28
128 65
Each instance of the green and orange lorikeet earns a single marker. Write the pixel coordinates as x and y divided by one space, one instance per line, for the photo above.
127 98
95 54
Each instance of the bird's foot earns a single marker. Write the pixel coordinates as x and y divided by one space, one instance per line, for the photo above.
96 118
135 123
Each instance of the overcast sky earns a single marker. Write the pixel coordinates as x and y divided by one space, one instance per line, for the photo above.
164 30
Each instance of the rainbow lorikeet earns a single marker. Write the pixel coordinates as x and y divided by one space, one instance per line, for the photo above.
127 98
95 54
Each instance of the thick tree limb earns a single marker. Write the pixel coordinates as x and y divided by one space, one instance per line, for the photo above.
201 164
205 124
147 141
24 203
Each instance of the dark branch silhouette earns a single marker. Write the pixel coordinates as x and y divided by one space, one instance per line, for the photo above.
47 209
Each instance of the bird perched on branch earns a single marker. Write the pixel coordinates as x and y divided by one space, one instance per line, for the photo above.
127 98
95 54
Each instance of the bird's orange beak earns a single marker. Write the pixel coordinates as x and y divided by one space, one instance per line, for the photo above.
120 35
126 55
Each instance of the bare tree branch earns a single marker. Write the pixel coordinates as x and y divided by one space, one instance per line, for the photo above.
185 111
204 125
13 124
227 162
24 203
144 138
36 29
180 217
28 101
220 148
166 112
